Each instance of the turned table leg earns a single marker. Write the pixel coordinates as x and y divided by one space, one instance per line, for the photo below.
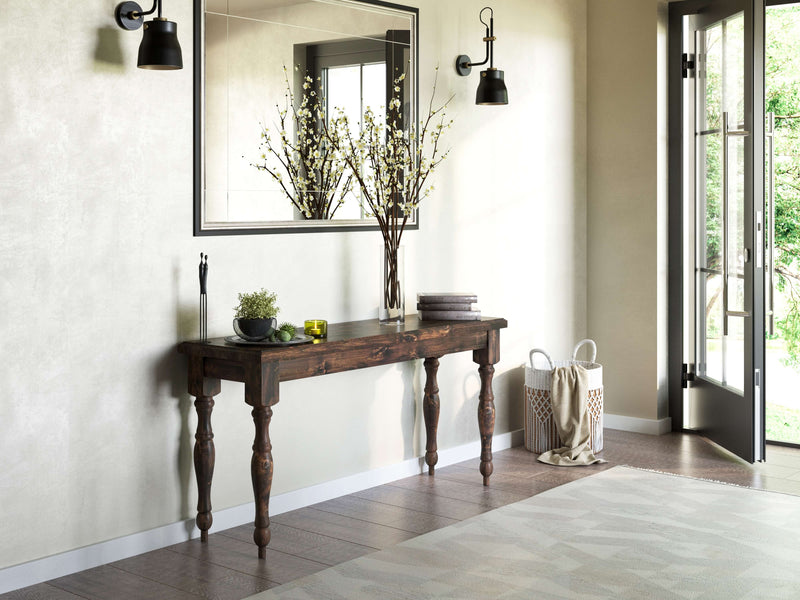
430 411
261 391
261 472
203 389
486 420
204 456
486 358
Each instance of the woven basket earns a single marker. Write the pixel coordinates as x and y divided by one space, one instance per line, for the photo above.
541 434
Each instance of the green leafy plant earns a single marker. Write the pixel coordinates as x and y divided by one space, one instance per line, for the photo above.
257 305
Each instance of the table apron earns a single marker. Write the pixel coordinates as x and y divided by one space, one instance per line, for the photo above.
218 368
359 358
348 360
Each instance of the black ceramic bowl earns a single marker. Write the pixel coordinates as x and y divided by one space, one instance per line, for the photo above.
254 330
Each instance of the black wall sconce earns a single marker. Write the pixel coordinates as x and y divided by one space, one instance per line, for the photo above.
492 89
159 49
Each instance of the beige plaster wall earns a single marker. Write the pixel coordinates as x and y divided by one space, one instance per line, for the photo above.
626 202
98 280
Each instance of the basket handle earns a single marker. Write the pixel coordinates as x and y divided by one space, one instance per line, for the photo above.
581 343
545 354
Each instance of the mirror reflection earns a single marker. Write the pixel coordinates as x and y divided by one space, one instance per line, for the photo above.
264 62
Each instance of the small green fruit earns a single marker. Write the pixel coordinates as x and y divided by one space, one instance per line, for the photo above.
284 336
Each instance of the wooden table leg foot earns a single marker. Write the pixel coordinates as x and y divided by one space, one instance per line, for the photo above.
261 472
430 411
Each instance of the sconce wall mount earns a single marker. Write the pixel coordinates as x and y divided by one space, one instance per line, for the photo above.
492 88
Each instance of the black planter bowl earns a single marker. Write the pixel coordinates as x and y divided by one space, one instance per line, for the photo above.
254 330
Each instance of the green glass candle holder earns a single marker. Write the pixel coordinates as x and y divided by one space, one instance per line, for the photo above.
316 328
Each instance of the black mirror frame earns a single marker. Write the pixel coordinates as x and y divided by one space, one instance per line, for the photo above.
197 127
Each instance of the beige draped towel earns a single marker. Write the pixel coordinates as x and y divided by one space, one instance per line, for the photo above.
569 395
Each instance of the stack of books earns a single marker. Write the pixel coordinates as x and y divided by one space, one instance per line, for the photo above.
448 306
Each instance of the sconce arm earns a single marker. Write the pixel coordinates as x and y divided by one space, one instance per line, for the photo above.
463 62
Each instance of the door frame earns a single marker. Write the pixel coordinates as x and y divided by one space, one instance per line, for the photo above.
677 226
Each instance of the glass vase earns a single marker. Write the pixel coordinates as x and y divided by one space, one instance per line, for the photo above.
392 309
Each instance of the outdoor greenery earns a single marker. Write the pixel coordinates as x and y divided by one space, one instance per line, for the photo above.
783 99
783 423
782 77
257 305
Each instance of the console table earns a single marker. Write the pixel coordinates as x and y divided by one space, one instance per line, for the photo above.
353 345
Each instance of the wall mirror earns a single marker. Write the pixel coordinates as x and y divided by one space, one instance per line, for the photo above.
352 49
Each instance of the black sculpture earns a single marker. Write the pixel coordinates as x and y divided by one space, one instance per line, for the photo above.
203 268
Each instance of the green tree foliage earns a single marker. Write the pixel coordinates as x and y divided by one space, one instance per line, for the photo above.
783 98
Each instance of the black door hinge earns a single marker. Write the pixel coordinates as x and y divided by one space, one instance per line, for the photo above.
686 376
687 64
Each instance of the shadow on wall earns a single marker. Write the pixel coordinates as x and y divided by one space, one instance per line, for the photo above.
169 374
508 385
408 407
108 50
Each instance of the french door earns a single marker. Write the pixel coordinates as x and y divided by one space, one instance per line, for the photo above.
722 160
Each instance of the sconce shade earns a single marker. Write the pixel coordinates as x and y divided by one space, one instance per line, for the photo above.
160 49
492 88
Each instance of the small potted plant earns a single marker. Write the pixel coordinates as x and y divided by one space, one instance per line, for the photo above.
255 315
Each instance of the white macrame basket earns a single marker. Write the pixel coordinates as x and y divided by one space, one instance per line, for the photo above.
541 434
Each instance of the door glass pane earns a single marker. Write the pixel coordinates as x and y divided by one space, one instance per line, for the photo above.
343 92
711 101
375 88
343 96
712 319
720 217
710 148
733 97
351 89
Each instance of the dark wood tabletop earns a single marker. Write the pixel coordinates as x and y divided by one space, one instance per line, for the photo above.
351 345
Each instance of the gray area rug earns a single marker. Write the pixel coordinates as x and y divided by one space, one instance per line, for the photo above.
622 533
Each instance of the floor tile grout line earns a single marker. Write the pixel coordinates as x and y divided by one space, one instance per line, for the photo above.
333 512
436 514
329 537
357 519
58 587
211 562
481 504
114 566
492 485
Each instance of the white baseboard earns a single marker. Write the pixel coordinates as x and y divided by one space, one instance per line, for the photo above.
58 565
637 425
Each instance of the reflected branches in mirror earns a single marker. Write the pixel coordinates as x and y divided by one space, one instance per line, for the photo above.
311 172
